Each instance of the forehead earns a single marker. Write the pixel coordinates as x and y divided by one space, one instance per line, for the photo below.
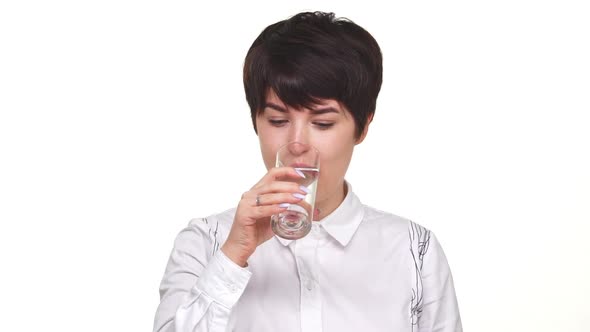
273 99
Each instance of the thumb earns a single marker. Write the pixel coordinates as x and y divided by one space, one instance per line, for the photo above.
264 231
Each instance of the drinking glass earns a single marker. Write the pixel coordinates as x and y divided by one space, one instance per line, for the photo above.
295 222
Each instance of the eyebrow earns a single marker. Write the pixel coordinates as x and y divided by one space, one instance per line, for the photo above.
316 111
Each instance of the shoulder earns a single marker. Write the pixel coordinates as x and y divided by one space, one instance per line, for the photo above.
219 221
385 220
392 224
208 232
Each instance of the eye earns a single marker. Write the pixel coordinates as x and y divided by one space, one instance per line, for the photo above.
323 125
277 123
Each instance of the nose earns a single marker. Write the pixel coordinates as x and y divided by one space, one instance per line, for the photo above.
298 133
298 148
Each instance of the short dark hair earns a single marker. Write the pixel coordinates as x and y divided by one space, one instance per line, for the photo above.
311 56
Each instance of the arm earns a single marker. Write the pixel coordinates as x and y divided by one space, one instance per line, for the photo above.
200 285
439 311
202 281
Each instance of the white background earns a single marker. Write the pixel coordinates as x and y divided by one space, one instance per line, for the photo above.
122 120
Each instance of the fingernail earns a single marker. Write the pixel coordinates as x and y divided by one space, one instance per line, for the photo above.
304 188
300 173
298 195
284 205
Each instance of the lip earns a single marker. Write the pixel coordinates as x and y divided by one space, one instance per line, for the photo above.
300 165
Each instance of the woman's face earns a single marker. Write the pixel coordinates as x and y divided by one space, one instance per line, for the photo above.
328 126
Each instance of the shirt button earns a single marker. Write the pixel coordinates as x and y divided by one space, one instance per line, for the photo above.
232 288
309 285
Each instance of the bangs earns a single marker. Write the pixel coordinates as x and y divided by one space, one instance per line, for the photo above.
301 82
311 57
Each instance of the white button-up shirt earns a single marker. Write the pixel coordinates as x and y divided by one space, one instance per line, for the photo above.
359 269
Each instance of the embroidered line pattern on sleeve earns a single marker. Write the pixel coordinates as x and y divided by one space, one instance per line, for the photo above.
213 229
419 242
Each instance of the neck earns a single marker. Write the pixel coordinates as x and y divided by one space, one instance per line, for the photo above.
331 203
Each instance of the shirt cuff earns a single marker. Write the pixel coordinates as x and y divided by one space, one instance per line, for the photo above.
223 280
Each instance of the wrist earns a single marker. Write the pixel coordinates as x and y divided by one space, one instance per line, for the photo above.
234 255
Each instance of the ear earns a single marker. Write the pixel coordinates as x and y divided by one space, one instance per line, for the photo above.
365 131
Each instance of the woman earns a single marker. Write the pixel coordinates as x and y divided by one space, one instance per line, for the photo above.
313 79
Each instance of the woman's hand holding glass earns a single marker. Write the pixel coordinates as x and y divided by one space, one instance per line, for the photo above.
270 196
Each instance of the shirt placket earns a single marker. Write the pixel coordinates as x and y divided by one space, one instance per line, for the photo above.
308 270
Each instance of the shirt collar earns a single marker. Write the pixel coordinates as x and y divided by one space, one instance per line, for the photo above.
343 222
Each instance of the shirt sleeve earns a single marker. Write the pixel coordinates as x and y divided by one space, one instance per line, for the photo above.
200 284
439 308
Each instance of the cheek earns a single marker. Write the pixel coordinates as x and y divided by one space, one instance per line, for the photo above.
336 161
335 155
268 149
336 149
268 154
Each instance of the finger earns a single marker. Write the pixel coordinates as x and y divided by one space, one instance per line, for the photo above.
265 211
265 231
279 198
248 208
278 173
278 187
